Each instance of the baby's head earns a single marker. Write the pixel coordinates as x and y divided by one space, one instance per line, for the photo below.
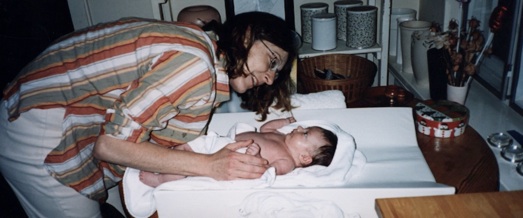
325 152
312 146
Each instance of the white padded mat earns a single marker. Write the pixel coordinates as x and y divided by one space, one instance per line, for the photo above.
386 136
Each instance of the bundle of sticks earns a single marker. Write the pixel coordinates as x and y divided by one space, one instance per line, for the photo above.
465 48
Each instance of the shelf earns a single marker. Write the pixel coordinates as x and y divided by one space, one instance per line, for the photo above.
379 51
407 80
306 50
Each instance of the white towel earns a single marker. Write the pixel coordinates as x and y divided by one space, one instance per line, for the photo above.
347 162
316 100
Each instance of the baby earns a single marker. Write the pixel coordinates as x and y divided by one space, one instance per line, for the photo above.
301 147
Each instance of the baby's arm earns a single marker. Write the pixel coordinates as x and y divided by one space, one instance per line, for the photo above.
253 149
283 166
273 125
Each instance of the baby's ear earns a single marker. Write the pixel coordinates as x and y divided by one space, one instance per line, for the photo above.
305 159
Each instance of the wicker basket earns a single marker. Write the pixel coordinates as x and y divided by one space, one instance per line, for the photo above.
359 71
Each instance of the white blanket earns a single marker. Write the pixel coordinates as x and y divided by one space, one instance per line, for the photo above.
347 162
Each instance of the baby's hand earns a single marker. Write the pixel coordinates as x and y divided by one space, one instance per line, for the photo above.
291 119
253 149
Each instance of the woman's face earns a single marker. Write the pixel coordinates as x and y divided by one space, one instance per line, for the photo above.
264 62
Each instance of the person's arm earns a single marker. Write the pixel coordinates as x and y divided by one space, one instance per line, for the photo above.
226 164
273 125
146 110
283 166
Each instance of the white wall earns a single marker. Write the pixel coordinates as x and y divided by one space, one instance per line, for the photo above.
106 10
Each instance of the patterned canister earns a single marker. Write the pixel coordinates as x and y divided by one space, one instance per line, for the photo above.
307 11
324 31
361 26
340 8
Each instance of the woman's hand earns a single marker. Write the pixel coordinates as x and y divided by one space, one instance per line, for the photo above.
227 164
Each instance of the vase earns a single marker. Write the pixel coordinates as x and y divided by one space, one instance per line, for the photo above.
393 35
457 94
361 26
407 28
340 9
421 43
399 59
307 11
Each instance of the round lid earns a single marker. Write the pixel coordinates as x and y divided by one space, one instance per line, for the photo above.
362 9
513 153
499 140
314 5
324 16
344 3
442 110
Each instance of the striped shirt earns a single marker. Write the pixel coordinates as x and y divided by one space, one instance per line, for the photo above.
133 79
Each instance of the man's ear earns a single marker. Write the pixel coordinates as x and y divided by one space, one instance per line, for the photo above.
305 159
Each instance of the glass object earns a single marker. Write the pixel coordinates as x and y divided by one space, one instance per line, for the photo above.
499 140
391 92
494 70
512 153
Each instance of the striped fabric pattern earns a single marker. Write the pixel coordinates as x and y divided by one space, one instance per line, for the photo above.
134 79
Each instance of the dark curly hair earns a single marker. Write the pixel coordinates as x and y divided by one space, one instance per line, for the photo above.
325 153
236 37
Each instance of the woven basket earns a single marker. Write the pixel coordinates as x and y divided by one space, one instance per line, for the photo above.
359 71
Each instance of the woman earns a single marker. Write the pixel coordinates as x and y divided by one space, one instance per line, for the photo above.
117 94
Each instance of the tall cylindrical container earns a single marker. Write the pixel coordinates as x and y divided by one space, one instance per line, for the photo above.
421 43
407 28
396 13
361 26
307 11
324 31
399 59
340 9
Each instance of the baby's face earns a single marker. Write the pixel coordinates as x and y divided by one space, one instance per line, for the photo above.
305 140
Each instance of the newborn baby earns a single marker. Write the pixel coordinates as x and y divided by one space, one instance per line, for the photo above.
301 147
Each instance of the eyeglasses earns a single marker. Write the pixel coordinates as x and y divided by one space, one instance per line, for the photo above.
273 62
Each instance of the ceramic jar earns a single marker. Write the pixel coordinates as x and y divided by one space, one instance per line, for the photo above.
324 31
399 58
396 13
307 11
361 26
340 9
421 43
407 28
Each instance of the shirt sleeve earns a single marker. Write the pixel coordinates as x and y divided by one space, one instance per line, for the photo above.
171 95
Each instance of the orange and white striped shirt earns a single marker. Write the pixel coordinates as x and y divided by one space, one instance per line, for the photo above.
134 79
